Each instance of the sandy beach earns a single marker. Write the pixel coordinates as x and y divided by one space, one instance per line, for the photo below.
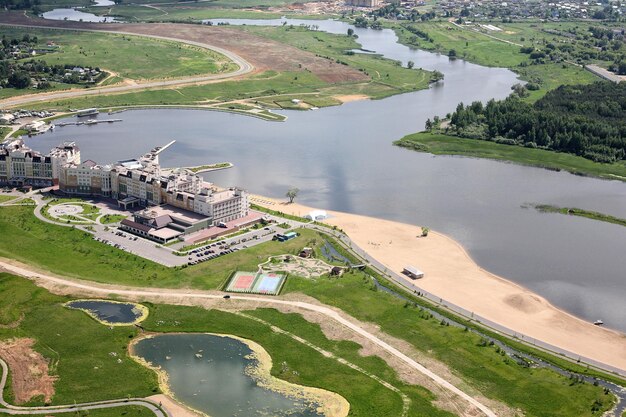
450 273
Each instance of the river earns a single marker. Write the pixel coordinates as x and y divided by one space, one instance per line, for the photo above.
342 159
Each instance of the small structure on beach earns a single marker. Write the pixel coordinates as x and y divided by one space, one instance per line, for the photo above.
316 215
412 272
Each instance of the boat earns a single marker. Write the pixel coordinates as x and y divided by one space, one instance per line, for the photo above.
91 122
598 322
87 112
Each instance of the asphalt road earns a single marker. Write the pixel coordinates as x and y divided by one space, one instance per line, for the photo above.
244 68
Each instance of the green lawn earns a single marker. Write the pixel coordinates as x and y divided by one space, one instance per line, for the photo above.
5 198
387 78
539 392
128 411
77 346
132 57
440 144
80 351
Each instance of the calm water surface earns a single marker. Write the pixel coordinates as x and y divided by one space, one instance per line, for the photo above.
110 312
207 373
342 159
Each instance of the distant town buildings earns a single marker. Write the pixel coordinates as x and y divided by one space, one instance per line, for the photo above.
364 3
20 165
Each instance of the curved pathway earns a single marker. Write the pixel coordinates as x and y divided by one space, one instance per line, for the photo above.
164 295
244 68
14 410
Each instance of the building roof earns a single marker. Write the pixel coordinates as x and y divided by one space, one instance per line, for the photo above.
161 221
165 233
135 225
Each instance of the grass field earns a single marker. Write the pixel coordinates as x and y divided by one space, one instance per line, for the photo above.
132 57
387 79
75 360
440 144
5 198
538 392
79 349
129 411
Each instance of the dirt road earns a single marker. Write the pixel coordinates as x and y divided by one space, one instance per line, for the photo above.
171 295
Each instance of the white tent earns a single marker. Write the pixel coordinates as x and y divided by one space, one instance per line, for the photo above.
316 215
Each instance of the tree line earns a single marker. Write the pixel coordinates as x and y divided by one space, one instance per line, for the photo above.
585 120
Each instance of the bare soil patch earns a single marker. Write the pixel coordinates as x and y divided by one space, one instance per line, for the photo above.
264 54
29 370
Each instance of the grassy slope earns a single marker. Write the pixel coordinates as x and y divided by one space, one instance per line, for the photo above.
75 344
481 367
387 78
132 57
385 73
440 144
536 391
128 411
74 360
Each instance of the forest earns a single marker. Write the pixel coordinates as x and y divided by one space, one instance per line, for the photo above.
585 120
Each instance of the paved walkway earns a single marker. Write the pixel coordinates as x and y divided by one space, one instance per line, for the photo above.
14 410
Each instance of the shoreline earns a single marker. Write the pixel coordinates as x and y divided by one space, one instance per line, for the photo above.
143 311
329 403
452 275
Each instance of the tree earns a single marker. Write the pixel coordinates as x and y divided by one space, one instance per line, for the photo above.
429 125
425 231
292 194
520 90
19 79
452 53
410 64
350 32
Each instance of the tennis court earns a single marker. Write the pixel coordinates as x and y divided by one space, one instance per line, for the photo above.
256 283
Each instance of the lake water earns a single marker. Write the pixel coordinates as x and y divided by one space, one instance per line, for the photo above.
208 373
342 159
108 311
77 15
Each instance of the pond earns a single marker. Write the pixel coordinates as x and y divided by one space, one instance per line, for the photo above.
112 313
76 15
217 375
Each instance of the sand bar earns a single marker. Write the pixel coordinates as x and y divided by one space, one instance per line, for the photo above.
450 273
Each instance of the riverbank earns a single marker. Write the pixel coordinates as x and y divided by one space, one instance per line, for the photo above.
442 144
451 274
329 403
